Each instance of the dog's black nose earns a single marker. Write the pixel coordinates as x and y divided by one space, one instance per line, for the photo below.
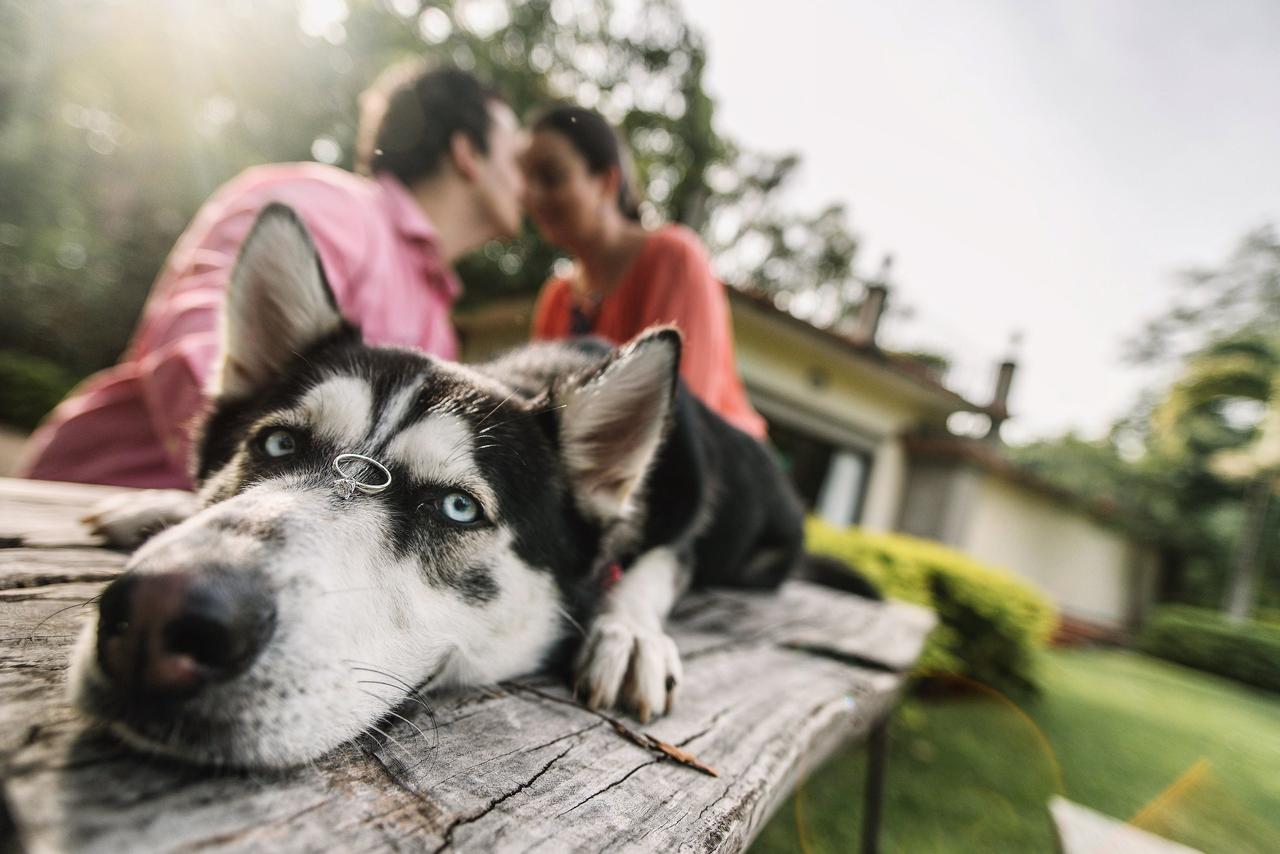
169 634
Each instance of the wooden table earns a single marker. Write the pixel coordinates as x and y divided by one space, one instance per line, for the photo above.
774 684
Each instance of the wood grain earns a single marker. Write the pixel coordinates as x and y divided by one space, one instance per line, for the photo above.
774 683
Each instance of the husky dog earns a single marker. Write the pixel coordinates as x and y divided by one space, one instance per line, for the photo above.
364 510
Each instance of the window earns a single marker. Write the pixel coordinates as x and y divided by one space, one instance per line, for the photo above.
843 489
831 479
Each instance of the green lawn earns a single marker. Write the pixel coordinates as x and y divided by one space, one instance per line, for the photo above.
1188 755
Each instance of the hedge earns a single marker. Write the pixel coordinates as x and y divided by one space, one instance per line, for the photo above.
1248 652
990 624
29 388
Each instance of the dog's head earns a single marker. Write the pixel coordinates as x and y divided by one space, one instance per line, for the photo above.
306 601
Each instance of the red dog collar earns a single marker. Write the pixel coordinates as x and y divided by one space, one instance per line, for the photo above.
612 575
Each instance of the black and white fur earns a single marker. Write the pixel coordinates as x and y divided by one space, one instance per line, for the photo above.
578 455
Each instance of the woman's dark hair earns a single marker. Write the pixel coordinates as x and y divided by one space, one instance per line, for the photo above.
417 110
600 145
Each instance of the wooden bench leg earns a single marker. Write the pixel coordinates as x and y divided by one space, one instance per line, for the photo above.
877 755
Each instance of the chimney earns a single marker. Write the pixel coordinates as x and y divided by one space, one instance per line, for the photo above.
999 406
873 305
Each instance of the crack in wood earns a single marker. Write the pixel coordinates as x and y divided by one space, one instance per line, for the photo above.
246 835
493 804
731 645
424 807
745 654
665 827
35 595
718 799
52 580
640 739
736 814
710 726
850 658
617 782
522 749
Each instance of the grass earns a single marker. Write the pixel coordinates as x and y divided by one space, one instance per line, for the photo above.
1189 756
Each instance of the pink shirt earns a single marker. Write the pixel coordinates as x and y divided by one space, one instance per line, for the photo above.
130 425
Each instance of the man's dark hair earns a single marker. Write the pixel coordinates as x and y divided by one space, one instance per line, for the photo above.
600 145
424 108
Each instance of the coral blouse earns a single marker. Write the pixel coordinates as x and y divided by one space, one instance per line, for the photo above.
670 281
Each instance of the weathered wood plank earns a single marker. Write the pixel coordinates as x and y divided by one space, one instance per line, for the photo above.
772 687
35 567
41 513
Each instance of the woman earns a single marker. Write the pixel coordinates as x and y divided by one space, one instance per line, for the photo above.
579 192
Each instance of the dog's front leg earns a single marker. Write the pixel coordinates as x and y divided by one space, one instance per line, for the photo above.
627 659
125 520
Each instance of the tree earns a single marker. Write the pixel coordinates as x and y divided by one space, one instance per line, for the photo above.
1196 460
1215 420
1239 298
118 119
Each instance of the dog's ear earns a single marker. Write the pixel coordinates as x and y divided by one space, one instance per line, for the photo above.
612 422
278 304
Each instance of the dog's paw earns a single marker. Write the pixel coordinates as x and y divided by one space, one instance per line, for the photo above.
630 665
127 519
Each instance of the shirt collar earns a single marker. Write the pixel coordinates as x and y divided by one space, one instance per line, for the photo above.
410 220
406 214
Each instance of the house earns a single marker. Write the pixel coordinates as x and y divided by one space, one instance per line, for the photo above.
863 432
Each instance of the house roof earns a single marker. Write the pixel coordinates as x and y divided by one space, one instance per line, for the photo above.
988 457
514 312
901 365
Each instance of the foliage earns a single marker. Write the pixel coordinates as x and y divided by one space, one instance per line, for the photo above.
1238 298
804 260
1270 616
29 387
1186 464
1112 731
1164 503
1206 640
118 119
1222 418
1190 515
1197 417
990 623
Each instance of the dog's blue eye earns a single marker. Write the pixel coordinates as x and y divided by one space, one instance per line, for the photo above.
460 507
279 443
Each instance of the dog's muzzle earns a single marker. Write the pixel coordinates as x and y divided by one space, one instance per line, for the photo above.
169 634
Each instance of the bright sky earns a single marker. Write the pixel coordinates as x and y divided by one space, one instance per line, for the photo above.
1041 167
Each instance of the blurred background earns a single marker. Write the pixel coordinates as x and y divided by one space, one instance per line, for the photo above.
1067 208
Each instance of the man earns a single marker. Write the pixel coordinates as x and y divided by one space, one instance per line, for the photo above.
445 180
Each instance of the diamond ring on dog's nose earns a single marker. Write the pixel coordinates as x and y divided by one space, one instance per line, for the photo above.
350 484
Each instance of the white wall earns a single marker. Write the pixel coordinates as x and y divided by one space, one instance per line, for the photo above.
850 406
1089 570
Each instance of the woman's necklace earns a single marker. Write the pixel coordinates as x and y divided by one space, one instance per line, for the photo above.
585 305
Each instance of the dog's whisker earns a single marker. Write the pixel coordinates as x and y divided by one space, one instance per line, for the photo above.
92 600
564 613
496 408
416 728
369 668
393 740
412 695
495 425
506 448
372 668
